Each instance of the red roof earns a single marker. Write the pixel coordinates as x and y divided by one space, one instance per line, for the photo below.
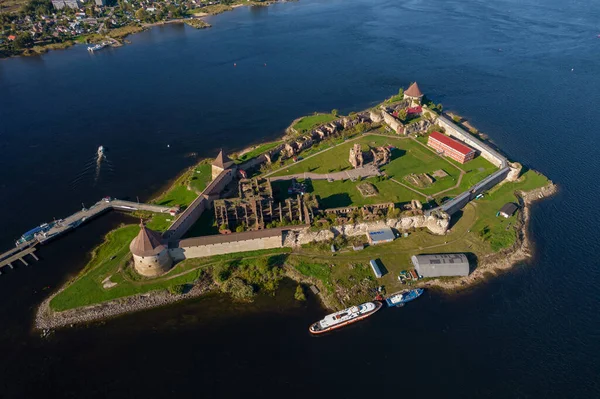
414 91
414 110
12 37
456 145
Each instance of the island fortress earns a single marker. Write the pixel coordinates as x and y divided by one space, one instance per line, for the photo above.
262 222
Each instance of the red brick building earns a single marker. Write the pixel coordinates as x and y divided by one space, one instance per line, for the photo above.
450 148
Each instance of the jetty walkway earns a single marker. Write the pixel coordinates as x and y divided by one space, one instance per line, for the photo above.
71 222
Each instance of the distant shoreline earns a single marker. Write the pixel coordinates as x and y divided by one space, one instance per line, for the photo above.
39 50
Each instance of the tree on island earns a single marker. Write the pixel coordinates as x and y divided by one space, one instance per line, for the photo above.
402 114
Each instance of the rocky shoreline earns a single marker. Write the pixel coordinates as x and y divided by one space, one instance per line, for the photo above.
47 319
507 258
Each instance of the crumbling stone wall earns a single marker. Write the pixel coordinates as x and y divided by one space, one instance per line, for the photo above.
436 223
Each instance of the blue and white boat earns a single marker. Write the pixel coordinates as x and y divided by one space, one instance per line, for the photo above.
401 298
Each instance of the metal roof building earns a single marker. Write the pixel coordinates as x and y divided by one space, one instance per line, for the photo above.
508 209
379 236
441 265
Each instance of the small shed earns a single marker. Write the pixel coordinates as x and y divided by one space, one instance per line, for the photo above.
508 209
375 268
441 265
380 236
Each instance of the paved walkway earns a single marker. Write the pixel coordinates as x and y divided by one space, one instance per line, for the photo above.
74 220
351 174
347 174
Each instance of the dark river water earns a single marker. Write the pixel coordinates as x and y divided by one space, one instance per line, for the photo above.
526 72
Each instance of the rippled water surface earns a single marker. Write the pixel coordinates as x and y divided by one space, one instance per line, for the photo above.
524 71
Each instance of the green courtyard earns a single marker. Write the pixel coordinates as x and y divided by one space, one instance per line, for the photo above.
408 157
308 123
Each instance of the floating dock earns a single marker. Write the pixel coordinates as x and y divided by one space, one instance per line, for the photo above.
71 222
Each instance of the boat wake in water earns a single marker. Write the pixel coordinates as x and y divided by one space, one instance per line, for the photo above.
93 168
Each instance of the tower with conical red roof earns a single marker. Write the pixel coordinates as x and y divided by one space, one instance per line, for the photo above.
413 93
150 253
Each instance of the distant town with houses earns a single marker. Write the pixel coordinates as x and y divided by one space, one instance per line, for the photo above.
36 26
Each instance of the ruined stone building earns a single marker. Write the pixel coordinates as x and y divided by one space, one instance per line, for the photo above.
366 212
377 156
356 156
256 209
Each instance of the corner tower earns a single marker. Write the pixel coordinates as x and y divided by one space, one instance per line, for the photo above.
220 163
150 255
413 93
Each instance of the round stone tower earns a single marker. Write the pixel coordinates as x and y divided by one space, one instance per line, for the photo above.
150 254
413 93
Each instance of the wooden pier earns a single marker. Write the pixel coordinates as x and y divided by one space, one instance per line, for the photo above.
19 256
62 226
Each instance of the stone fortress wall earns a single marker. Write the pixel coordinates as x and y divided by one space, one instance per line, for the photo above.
198 248
435 220
485 151
204 201
507 171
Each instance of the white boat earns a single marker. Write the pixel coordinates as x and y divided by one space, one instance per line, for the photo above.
100 151
96 47
345 317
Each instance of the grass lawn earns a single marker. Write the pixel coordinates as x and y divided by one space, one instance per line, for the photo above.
344 193
410 157
110 260
204 226
407 157
335 159
476 170
114 254
475 230
160 222
201 176
395 256
394 99
317 147
216 9
261 149
498 231
309 122
122 32
464 236
178 193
